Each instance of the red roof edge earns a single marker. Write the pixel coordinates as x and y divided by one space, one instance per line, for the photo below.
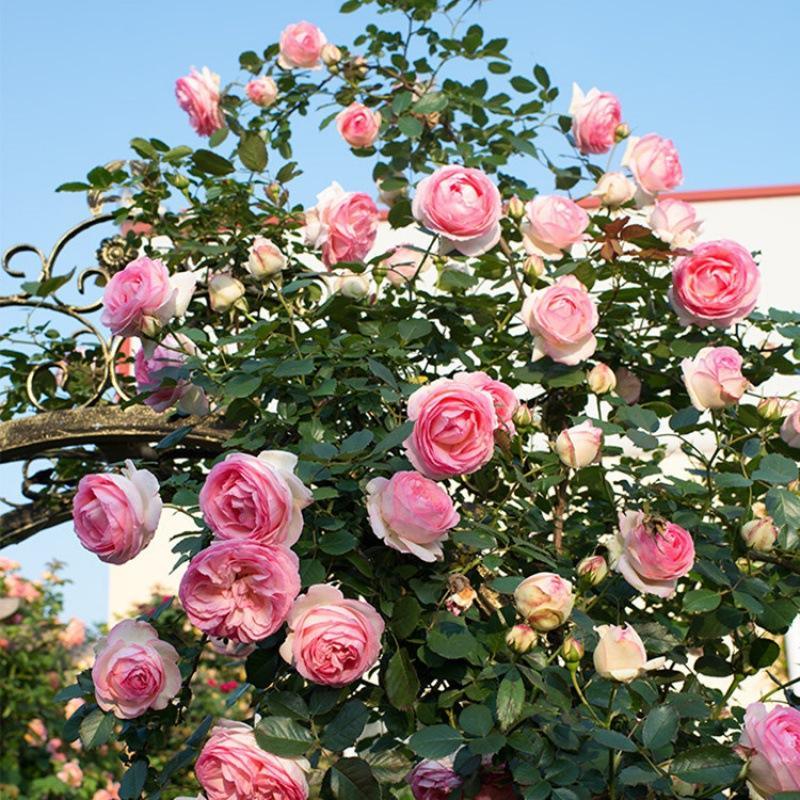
714 195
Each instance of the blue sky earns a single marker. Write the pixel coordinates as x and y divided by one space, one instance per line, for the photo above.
79 80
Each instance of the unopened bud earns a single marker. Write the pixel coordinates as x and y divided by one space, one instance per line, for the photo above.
622 132
601 379
614 189
516 208
150 327
760 534
356 69
521 638
572 650
523 418
330 55
224 292
533 266
592 570
353 285
179 181
273 191
770 408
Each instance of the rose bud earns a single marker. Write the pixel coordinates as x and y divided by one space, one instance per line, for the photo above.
572 650
265 259
353 285
579 445
523 418
614 190
262 91
790 429
533 267
760 534
545 600
224 292
622 132
592 570
770 408
620 654
521 638
331 55
516 208
601 379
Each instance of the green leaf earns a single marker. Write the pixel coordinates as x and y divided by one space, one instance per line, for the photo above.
660 727
523 84
253 152
401 681
405 616
294 367
261 666
356 442
476 720
96 729
775 468
510 699
73 186
763 653
414 328
345 728
394 438
713 764
211 163
451 639
337 543
283 736
430 103
133 781
613 740
171 439
700 601
68 692
352 779
242 385
436 741
410 126
784 508
401 102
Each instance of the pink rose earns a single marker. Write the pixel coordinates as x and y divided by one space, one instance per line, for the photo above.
714 378
620 654
240 590
134 670
7 565
771 740
654 163
332 640
580 445
503 397
544 600
358 125
403 265
433 780
760 534
561 318
343 224
675 222
72 706
36 733
265 259
651 553
111 792
257 498
614 189
454 427
718 284
73 635
301 46
411 513
552 225
142 298
463 206
71 774
19 587
790 429
595 116
116 516
262 91
231 766
198 95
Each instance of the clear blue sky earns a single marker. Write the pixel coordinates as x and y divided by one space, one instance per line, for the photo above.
78 80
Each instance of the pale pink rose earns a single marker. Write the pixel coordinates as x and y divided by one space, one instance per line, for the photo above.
717 284
714 378
654 163
265 259
433 780
593 570
629 387
760 534
675 222
454 427
463 206
116 516
301 46
36 733
614 190
22 589
72 706
7 565
258 498
224 292
601 379
771 741
152 368
404 264
411 513
134 670
544 600
790 429
231 766
74 634
503 397
240 590
71 774
343 224
262 91
579 445
561 318
521 638
651 553
620 654
358 125
199 96
552 225
595 116
142 298
332 640
111 792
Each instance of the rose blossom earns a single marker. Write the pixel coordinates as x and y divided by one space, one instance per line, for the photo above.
651 553
595 116
116 516
358 125
675 222
463 206
620 654
20 588
403 265
561 318
614 190
790 429
544 600
198 95
240 590
73 635
71 774
760 534
36 733
262 91
258 498
143 297
301 46
7 565
714 378
601 379
231 766
111 792
654 163
332 640
454 427
771 740
579 445
265 259
72 706
552 225
134 670
433 780
503 397
717 284
411 513
343 224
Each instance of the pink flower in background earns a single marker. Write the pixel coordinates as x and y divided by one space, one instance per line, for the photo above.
332 640
714 378
675 222
505 401
463 206
358 125
454 427
262 91
231 766
404 264
36 733
111 792
240 590
72 706
544 600
552 225
71 774
258 498
620 654
433 780
771 742
411 513
654 163
21 588
595 116
199 96
579 445
116 516
301 46
652 554
790 429
717 284
562 318
7 565
74 634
